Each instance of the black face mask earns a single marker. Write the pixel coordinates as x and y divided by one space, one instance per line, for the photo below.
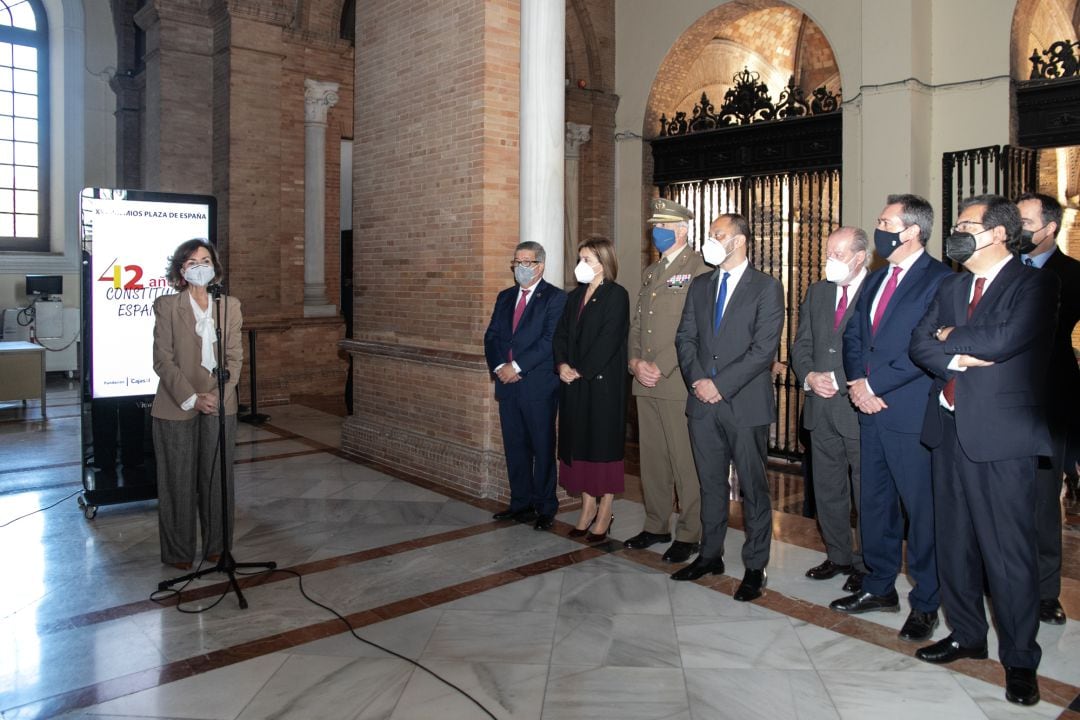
1027 241
961 246
886 242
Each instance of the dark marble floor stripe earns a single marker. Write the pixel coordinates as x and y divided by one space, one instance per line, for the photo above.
146 679
278 456
33 468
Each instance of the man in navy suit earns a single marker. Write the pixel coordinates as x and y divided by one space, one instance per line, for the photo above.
1041 216
517 346
986 338
889 392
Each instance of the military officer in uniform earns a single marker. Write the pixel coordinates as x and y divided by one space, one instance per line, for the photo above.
667 462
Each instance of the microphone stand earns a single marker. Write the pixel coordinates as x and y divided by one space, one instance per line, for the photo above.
226 563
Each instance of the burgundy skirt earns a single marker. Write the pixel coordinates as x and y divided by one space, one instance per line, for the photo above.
595 478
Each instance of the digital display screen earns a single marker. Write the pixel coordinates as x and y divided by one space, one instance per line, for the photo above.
130 236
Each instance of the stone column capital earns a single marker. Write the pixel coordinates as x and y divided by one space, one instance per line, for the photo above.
576 136
319 97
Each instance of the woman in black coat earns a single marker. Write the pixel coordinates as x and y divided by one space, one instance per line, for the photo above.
590 357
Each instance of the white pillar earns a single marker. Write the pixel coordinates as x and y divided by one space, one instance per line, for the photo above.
576 136
319 97
543 101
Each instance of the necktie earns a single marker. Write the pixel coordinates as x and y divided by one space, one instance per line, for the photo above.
721 296
519 310
1028 262
841 308
949 391
890 288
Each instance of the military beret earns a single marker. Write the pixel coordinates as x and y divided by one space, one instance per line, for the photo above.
665 211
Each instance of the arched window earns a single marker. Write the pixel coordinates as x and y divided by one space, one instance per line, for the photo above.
24 126
348 21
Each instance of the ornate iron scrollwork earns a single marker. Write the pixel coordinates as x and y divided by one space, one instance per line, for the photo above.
1060 62
748 101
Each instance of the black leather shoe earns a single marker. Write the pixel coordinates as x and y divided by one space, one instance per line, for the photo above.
1051 612
699 568
828 569
853 584
544 522
1021 685
644 539
947 650
864 602
506 514
751 586
919 626
527 515
680 551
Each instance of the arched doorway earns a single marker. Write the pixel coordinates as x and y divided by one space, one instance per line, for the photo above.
744 115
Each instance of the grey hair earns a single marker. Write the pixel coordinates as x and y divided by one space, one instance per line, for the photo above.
537 249
859 241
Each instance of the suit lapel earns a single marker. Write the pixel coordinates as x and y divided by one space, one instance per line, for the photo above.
907 282
1001 283
745 281
536 293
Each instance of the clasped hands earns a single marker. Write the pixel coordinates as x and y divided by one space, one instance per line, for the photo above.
507 374
863 399
705 391
647 373
568 374
206 403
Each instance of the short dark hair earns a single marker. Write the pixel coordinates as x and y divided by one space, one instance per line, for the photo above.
174 271
742 227
536 248
998 211
1051 208
914 210
605 253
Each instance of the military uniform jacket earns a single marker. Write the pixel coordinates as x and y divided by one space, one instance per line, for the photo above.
656 319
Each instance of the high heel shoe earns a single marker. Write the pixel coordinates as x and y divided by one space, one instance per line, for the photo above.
599 537
576 532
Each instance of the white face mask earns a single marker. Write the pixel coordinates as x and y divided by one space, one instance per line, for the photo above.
714 252
836 271
584 273
200 275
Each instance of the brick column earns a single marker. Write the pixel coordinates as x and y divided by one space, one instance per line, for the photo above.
319 97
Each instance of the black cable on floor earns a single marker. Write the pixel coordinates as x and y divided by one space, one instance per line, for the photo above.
34 512
342 618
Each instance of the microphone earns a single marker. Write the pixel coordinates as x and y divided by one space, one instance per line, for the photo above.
215 289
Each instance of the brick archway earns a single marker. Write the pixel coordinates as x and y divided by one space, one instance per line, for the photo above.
1038 24
779 33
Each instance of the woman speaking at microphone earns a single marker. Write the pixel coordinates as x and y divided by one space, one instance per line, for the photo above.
185 407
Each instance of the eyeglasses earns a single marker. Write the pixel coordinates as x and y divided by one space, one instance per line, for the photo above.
963 226
527 264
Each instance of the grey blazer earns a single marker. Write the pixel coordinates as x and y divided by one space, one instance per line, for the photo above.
819 348
738 357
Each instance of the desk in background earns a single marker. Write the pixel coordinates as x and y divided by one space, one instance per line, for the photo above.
22 372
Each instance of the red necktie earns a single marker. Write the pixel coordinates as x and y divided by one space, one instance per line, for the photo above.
519 310
949 391
841 308
890 288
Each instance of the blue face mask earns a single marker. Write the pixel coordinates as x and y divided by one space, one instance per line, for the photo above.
663 239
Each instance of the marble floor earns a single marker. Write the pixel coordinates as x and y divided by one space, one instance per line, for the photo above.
529 624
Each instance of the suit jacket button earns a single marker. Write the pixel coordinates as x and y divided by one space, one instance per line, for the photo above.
714 357
599 377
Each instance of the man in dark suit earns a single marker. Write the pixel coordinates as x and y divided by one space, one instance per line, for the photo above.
667 462
1041 216
726 343
986 338
517 346
890 393
817 360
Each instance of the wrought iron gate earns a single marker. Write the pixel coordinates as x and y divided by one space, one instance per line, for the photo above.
790 214
1000 169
